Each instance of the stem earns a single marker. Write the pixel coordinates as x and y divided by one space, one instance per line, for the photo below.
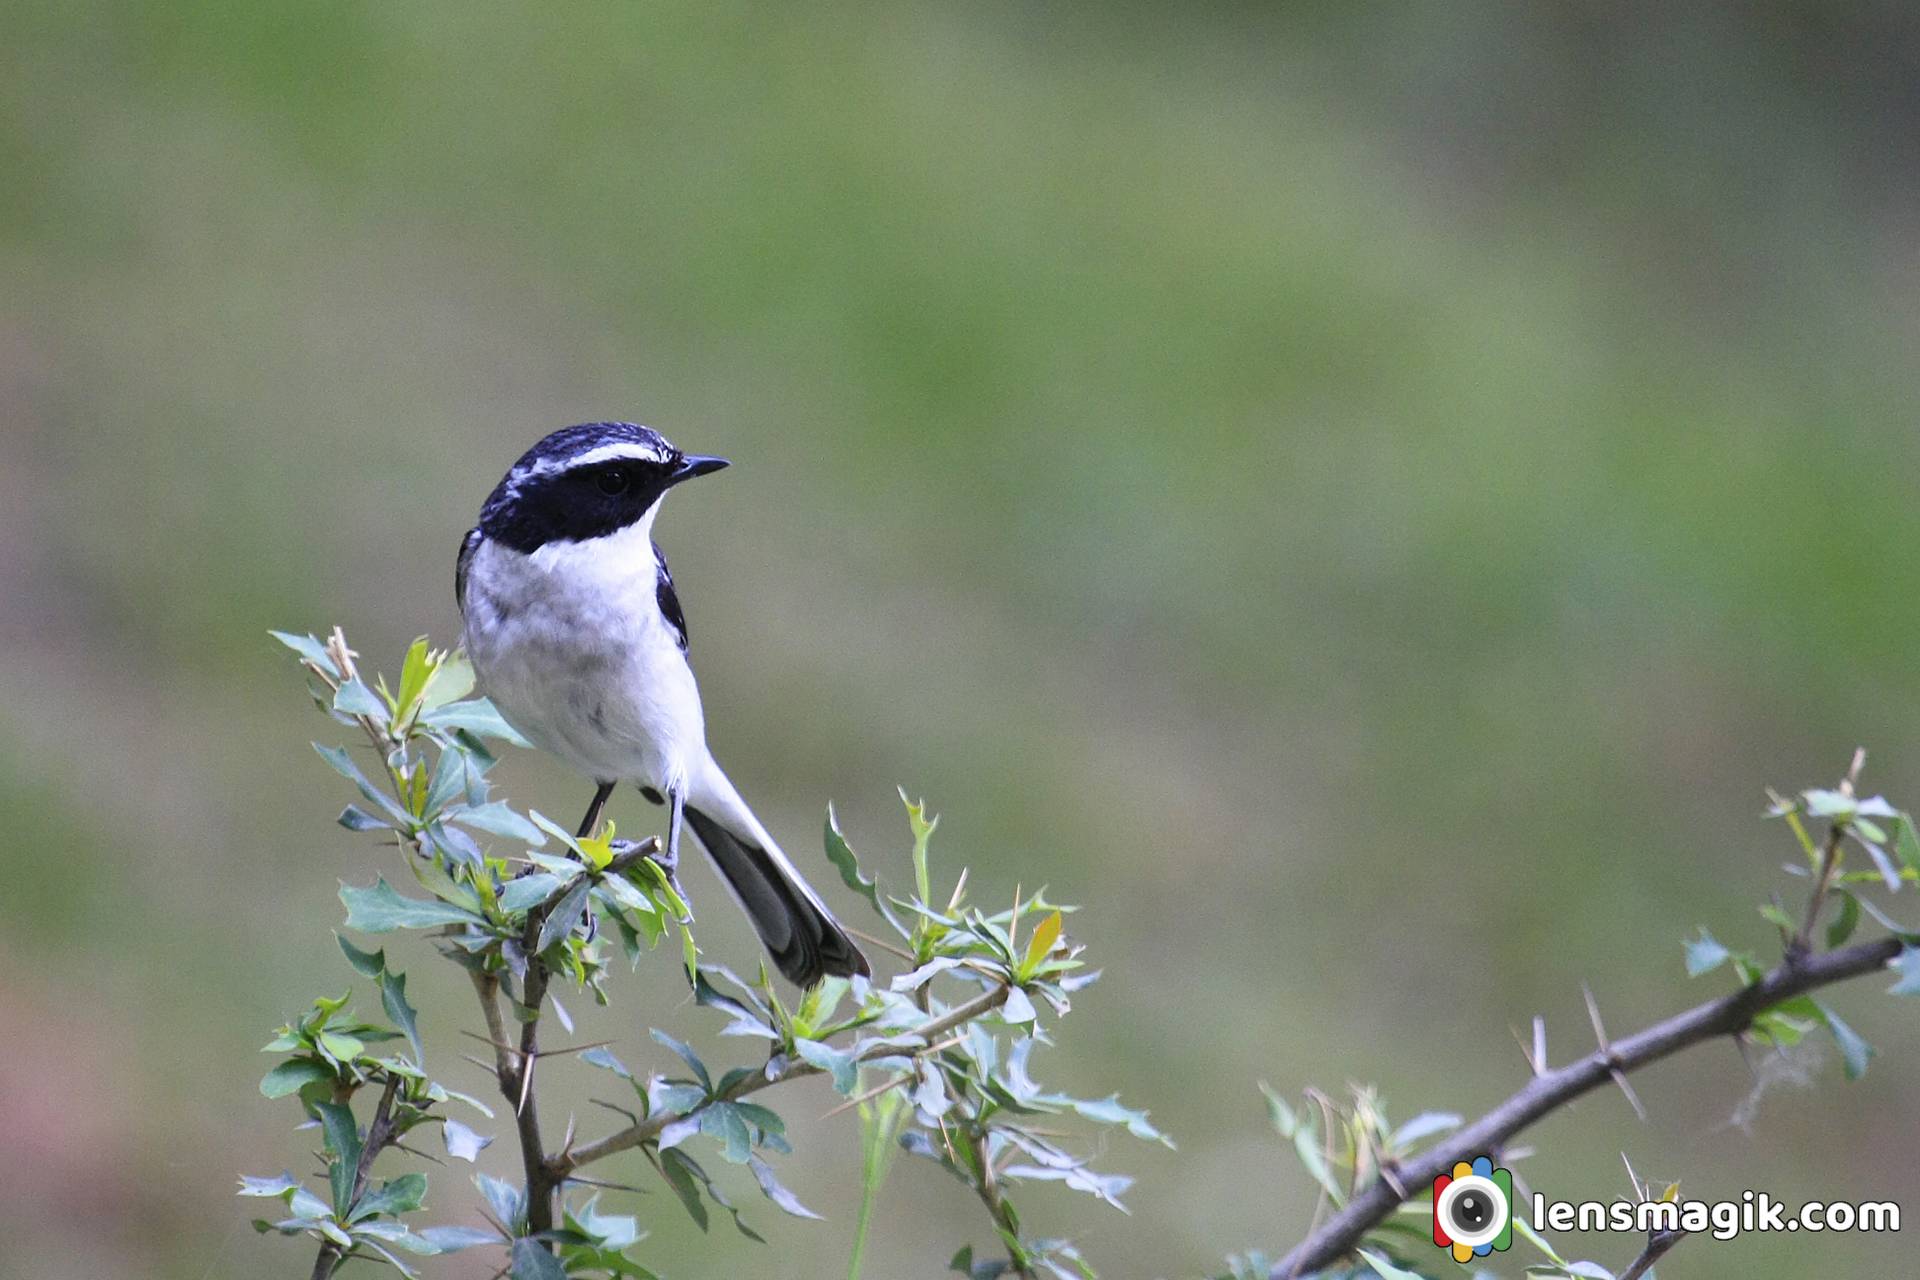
648 1129
1547 1092
879 1122
379 1136
989 1188
1656 1249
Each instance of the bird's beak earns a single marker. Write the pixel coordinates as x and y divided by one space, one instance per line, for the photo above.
694 464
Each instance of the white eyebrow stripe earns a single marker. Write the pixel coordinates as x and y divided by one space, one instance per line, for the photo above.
630 450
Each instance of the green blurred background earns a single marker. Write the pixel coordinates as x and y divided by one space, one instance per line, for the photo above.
1363 497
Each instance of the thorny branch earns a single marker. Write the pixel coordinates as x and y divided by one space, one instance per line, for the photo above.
648 1129
379 1137
1548 1091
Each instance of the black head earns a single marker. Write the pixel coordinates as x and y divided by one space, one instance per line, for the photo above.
585 482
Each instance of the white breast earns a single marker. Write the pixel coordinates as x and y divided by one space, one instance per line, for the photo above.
569 642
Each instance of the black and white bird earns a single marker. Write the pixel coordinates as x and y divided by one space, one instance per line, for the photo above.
577 636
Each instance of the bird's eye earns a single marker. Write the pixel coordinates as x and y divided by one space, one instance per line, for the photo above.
613 480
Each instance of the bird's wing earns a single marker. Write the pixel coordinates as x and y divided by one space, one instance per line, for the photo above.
669 602
468 545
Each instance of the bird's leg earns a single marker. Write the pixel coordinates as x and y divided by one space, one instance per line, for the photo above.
670 860
676 810
601 791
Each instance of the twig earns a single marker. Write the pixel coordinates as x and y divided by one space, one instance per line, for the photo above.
379 1136
1550 1090
648 1129
1802 943
1657 1246
988 1186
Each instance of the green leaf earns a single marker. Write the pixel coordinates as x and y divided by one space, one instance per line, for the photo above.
531 1261
501 819
354 818
294 1075
355 699
1041 944
1306 1145
1773 914
368 963
1280 1113
310 649
1386 1270
922 834
454 1239
402 1195
687 1055
1704 954
838 1063
476 715
1906 842
1109 1111
393 998
343 764
1831 804
1907 965
1846 922
378 909
342 1046
523 893
1854 1051
677 1169
503 1198
841 855
565 914
1424 1125
450 680
463 1143
724 1125
275 1188
771 1188
413 673
343 1141
603 1057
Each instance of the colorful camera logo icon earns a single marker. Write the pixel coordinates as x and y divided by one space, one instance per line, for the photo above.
1473 1209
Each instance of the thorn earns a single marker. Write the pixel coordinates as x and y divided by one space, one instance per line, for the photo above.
487 1067
1633 1179
868 1096
1740 1045
1593 1013
617 1110
526 1086
959 888
1853 770
506 1048
881 943
610 1186
413 1151
1537 1054
1620 1078
578 1048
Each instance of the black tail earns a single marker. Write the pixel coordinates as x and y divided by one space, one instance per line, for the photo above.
803 938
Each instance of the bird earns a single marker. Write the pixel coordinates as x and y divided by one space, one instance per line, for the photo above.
576 635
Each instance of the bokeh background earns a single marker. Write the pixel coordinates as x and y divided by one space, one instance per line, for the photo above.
1363 497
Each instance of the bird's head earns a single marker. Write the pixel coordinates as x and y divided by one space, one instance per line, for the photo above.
586 482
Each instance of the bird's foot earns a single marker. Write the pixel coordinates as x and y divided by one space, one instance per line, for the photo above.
668 861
